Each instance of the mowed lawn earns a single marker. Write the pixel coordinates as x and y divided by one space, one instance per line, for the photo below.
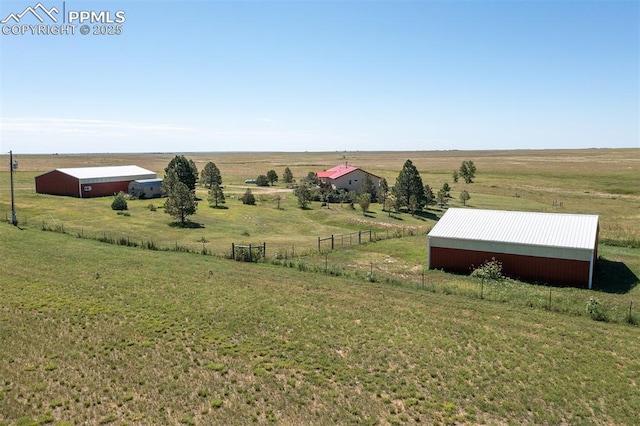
94 333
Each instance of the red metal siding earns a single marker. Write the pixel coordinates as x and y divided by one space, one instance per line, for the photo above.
527 268
104 188
57 183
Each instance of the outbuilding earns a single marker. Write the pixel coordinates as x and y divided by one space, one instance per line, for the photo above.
146 188
554 248
87 182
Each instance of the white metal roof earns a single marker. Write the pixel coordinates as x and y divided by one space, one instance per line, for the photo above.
106 172
575 231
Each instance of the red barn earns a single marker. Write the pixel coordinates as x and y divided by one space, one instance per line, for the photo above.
87 182
554 248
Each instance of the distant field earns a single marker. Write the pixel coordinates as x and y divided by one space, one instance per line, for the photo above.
101 333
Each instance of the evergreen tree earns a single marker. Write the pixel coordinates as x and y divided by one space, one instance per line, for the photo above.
210 175
303 193
262 180
287 176
181 201
384 192
409 183
272 176
119 202
429 196
185 170
369 188
216 196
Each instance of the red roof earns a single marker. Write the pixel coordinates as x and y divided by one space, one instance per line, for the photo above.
336 172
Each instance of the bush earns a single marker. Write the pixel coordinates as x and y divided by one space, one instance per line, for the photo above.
248 198
490 270
262 180
595 309
119 202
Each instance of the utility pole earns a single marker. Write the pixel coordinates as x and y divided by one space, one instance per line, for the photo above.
12 166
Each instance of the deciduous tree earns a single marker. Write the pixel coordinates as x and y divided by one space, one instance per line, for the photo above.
364 201
464 197
468 171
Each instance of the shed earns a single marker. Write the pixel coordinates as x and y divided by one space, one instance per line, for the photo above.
146 188
346 177
554 248
87 182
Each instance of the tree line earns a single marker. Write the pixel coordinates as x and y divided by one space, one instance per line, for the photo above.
408 194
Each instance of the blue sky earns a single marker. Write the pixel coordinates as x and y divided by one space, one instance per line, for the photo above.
325 76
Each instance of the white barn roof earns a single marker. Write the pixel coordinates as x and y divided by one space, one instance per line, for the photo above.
106 172
572 231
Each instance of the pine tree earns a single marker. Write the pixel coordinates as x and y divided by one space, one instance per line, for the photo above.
181 201
186 171
287 176
409 183
210 175
216 196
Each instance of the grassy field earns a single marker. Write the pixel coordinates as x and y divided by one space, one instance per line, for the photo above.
94 333
101 333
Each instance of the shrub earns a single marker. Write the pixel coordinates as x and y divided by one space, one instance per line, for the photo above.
595 309
248 198
119 202
262 180
490 270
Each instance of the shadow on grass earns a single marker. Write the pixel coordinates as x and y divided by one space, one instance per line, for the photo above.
426 215
220 207
188 225
614 277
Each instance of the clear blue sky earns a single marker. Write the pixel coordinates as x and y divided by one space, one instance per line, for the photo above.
326 76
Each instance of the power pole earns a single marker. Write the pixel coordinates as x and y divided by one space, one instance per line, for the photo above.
14 218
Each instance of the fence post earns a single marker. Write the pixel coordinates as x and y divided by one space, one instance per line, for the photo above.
331 241
549 305
369 235
233 251
318 243
359 237
630 306
264 250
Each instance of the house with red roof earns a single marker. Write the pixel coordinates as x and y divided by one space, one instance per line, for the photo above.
346 177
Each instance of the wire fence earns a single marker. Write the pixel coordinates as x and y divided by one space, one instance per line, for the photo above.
607 307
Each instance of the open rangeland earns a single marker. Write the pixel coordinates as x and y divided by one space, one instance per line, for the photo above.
109 333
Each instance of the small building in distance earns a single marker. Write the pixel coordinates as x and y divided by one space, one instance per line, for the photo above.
85 182
346 177
146 188
553 248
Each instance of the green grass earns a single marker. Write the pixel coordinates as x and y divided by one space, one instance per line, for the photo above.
96 333
104 333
